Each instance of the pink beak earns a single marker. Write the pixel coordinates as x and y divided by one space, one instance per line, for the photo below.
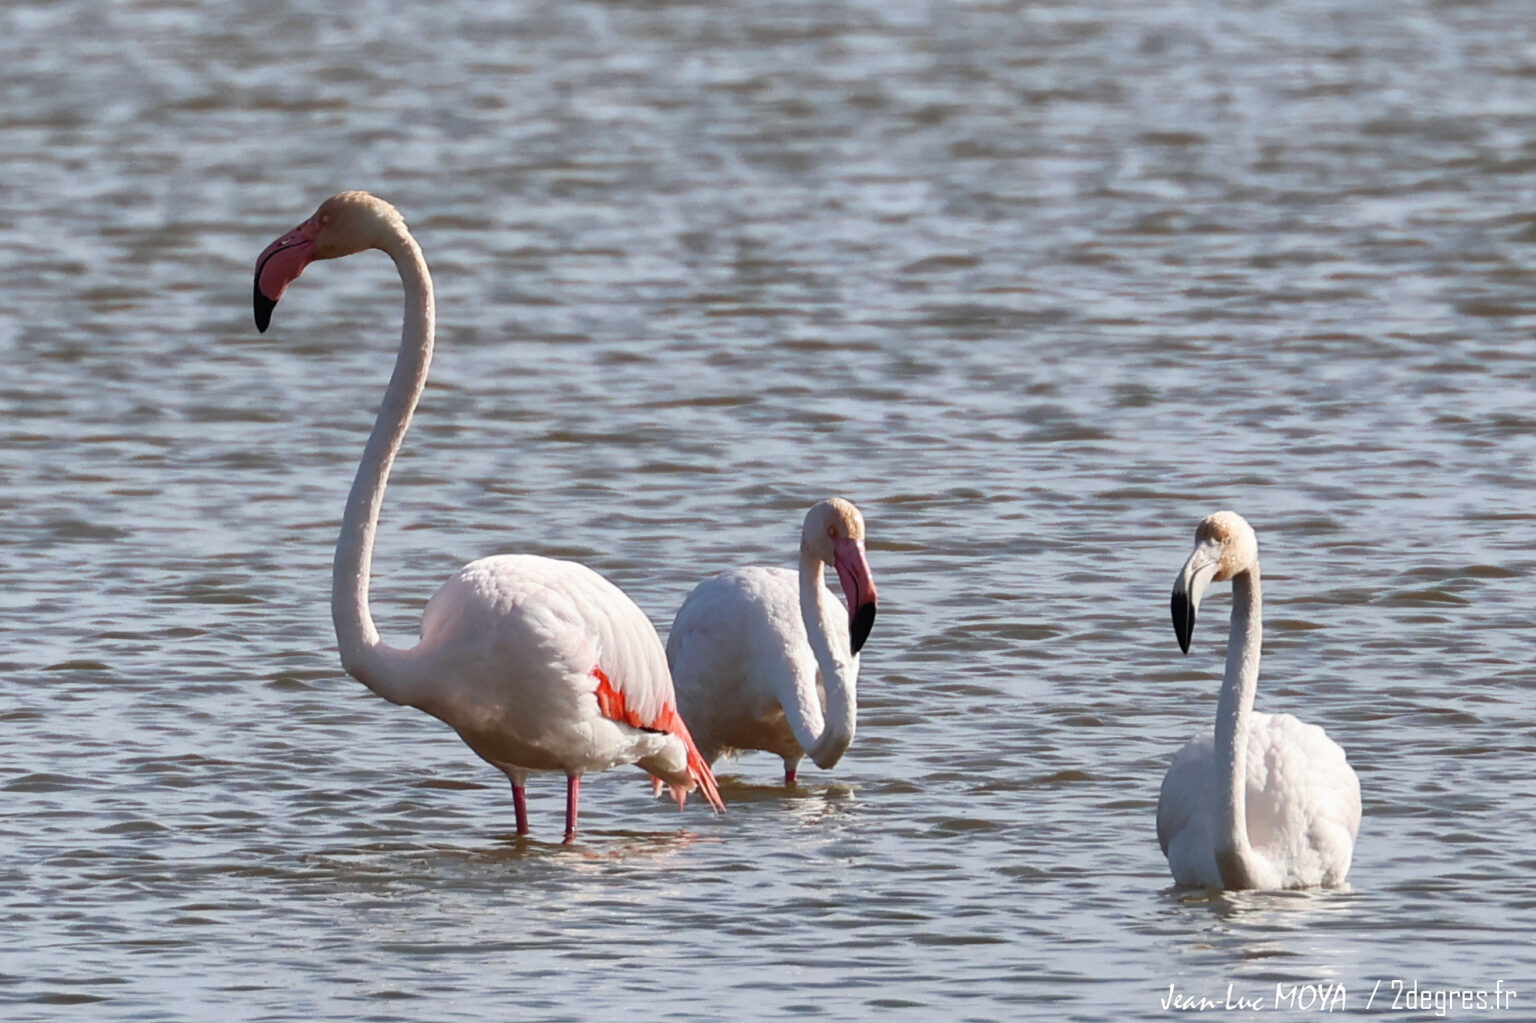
279 265
858 588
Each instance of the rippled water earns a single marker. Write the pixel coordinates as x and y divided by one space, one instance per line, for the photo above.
1038 285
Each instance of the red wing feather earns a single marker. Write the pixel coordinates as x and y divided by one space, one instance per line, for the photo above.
612 705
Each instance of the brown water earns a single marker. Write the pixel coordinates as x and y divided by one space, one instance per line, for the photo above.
1037 285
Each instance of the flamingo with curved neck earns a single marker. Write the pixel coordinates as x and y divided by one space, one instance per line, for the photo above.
755 651
538 664
1265 801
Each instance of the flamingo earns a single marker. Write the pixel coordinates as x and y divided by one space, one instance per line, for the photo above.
753 650
1267 801
537 664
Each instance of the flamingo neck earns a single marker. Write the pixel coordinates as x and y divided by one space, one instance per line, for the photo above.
364 655
1235 858
839 668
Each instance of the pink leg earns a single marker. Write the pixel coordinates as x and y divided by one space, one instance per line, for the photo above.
520 807
572 797
789 776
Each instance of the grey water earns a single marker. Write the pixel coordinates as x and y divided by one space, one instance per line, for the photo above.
1038 285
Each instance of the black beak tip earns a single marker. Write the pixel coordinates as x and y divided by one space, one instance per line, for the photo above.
1183 620
858 628
264 307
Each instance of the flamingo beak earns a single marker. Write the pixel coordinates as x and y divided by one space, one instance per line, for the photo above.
1194 579
279 265
858 589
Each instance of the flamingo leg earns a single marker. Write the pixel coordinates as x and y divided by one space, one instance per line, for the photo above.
572 798
520 807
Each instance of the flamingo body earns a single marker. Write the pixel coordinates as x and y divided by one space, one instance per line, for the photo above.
1303 808
538 664
530 644
763 660
1264 801
739 655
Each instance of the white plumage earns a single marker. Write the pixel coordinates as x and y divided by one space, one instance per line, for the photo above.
538 664
553 622
1265 801
1303 807
764 659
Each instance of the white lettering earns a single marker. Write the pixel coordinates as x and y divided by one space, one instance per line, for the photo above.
1440 1001
1236 1001
1327 997
1186 1003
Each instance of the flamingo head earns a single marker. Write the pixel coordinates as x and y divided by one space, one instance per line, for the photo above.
834 534
1225 546
345 223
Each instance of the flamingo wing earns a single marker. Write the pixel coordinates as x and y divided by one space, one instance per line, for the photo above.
630 681
1303 806
1185 815
1303 800
745 674
544 651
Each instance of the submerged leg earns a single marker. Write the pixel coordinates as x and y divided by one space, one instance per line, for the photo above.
572 797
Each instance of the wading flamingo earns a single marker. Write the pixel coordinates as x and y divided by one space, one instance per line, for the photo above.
538 664
1268 801
747 645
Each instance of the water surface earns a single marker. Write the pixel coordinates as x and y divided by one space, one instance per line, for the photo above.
1037 285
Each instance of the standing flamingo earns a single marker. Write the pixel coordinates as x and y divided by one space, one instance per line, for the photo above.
538 664
1268 801
747 645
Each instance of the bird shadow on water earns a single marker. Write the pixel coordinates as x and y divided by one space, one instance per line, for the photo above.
810 804
396 862
411 854
589 847
742 791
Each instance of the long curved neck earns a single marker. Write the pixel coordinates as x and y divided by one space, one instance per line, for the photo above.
363 654
1234 854
839 668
